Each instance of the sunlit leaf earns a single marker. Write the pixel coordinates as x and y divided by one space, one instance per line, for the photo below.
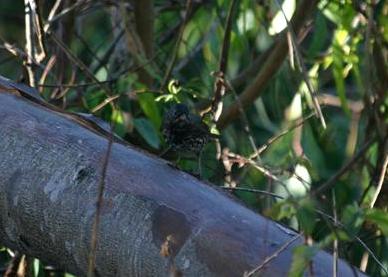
339 68
279 23
119 123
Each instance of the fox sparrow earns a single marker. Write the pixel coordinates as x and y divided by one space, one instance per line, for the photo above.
184 131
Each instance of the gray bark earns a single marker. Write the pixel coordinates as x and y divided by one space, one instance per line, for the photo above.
50 167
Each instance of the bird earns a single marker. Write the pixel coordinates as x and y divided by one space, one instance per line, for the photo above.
185 132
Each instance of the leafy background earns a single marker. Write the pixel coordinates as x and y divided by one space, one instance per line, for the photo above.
94 64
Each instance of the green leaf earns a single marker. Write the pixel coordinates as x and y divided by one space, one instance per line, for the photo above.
313 150
173 87
119 123
277 155
319 36
147 131
125 84
166 98
352 218
303 254
150 108
380 218
281 210
339 68
93 97
306 215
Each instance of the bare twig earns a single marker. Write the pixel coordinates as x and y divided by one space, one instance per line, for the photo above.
260 60
77 85
281 134
37 20
99 83
53 18
246 161
332 100
96 223
219 84
250 71
46 71
174 54
79 63
115 97
14 265
30 49
61 93
380 183
247 129
105 58
354 237
335 222
335 242
264 192
306 78
51 15
271 65
273 256
88 49
17 52
332 181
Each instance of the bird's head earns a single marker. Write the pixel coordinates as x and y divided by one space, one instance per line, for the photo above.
177 113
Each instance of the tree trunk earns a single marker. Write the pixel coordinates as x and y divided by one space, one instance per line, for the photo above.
154 218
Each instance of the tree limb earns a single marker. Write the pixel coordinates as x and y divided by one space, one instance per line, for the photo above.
270 67
154 218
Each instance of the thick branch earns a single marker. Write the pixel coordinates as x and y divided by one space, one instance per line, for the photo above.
270 67
154 218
